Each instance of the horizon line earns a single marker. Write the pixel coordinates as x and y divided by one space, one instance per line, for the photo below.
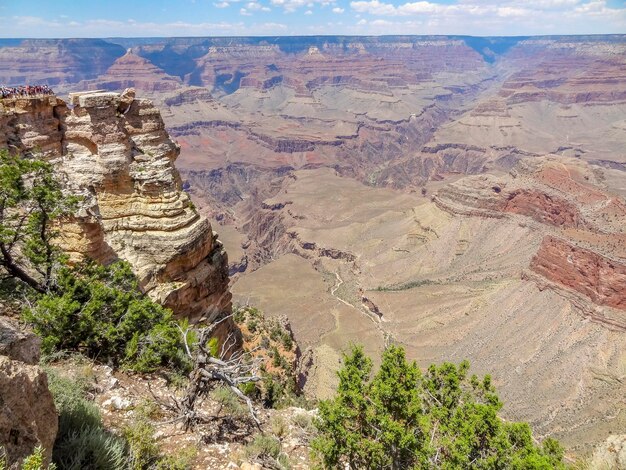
320 35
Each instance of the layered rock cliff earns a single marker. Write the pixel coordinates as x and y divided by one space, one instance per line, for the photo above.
580 224
113 151
134 71
600 278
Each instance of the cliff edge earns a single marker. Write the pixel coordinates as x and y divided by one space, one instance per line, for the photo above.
113 151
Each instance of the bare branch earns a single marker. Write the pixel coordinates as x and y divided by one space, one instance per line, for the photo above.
184 335
208 370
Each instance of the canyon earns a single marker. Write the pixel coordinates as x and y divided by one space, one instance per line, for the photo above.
463 197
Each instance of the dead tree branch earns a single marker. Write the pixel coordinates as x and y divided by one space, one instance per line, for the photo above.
208 371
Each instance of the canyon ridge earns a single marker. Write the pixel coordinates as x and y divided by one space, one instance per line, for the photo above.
461 196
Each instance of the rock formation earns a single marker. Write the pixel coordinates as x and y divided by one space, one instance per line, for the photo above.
134 71
114 151
54 62
509 156
27 414
583 248
31 123
16 344
611 454
600 278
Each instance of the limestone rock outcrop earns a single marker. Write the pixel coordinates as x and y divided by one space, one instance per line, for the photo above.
28 417
27 413
112 149
31 123
17 344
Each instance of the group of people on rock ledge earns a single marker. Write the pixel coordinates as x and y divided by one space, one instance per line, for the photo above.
25 91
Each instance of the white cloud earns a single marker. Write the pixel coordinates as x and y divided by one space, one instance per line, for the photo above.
507 12
498 17
256 6
244 12
338 10
289 6
31 26
269 27
473 17
373 7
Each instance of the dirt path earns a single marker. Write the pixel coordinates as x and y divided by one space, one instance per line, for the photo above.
370 316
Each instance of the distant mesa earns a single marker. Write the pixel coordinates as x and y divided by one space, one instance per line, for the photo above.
133 71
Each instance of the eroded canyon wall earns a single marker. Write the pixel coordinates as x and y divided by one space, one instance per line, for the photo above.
112 149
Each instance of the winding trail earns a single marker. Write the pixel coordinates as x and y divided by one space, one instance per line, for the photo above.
370 316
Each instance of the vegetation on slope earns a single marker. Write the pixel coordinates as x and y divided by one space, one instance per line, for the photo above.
96 310
401 419
101 312
30 201
272 343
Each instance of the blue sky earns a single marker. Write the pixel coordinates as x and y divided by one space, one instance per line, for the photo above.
135 18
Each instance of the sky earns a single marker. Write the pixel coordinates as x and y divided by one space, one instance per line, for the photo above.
137 18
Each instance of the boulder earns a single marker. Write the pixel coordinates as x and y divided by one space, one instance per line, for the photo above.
611 454
28 417
17 344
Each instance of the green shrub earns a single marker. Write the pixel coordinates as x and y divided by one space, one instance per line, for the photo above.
279 427
253 326
262 446
270 339
229 402
249 389
35 461
287 341
143 449
31 200
75 411
273 391
303 421
91 447
182 460
81 441
276 357
213 347
100 312
265 448
401 418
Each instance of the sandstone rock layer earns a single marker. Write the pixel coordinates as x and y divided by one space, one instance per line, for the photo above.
601 279
113 151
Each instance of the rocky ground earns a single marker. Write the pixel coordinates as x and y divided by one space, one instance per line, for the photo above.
222 443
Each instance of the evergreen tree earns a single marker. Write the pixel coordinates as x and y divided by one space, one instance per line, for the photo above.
402 419
31 201
100 311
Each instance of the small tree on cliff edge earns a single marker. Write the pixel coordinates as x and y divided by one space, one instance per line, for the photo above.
30 201
403 419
